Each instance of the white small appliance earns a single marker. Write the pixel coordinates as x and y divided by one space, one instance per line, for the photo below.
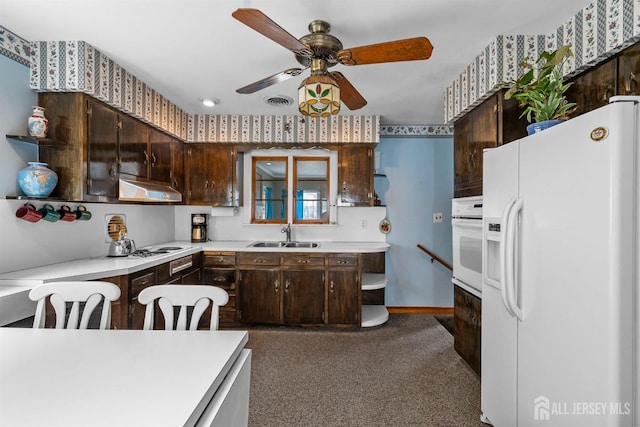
466 230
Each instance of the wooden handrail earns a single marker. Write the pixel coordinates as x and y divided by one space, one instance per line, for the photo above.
436 257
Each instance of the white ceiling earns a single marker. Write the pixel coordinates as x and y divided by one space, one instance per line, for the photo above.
192 49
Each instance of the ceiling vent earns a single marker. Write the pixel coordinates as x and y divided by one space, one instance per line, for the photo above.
278 100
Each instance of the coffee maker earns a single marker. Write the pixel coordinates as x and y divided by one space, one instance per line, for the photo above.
198 228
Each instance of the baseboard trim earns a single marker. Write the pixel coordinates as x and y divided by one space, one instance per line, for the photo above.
421 310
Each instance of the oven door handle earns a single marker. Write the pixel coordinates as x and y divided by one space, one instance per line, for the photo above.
475 224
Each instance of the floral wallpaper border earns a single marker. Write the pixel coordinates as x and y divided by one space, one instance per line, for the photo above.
416 131
78 66
598 31
15 47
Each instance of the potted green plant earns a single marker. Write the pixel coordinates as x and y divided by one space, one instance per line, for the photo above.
541 90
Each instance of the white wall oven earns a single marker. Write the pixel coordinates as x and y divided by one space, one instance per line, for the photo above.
466 225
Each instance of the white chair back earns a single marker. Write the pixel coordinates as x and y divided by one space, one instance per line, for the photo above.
187 297
91 293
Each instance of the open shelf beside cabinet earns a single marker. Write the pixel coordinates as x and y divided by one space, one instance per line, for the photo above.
42 142
374 315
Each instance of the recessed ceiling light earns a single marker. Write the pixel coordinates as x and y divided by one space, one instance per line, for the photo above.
210 102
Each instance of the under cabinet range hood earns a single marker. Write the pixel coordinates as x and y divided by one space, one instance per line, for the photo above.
145 191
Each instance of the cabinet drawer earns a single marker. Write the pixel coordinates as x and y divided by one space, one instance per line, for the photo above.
302 260
259 258
343 260
224 278
141 282
227 317
219 259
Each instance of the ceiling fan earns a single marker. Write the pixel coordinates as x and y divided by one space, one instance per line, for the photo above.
319 94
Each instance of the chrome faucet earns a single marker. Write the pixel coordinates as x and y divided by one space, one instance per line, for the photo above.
287 230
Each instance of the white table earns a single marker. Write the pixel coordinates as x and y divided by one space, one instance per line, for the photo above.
53 377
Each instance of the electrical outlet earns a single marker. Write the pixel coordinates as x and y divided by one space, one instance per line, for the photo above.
437 217
363 223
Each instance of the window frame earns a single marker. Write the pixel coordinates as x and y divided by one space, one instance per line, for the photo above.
249 186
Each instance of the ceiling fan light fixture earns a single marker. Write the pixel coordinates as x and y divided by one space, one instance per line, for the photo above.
319 96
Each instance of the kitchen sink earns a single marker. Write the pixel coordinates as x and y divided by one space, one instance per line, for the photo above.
269 244
284 245
300 245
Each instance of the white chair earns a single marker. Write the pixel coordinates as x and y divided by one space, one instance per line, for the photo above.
75 292
197 297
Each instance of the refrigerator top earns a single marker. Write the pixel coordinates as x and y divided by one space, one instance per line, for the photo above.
624 98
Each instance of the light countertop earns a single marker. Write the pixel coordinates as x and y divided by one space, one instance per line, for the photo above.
15 286
95 268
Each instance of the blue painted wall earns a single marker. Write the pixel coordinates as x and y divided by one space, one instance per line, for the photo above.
418 182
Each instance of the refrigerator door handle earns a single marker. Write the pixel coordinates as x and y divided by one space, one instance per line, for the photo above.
504 245
510 280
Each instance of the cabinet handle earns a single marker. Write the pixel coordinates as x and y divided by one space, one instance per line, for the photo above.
276 286
331 285
630 84
219 279
286 286
206 183
153 159
303 261
146 157
608 91
342 261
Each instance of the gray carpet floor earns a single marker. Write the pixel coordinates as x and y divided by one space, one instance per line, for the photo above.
403 373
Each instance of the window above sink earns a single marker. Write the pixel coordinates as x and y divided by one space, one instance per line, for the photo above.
297 186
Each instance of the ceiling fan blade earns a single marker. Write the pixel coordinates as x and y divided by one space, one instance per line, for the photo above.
255 19
271 80
400 50
348 94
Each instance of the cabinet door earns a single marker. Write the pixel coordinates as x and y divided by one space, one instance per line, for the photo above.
137 282
193 277
211 174
493 123
102 146
355 175
343 292
303 297
467 326
474 132
133 149
177 166
160 156
629 71
259 293
593 88
119 312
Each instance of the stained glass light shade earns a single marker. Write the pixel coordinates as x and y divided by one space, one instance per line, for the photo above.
319 96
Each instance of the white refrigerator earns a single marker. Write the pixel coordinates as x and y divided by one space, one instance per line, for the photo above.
560 274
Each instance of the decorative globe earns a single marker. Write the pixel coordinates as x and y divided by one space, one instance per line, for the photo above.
37 180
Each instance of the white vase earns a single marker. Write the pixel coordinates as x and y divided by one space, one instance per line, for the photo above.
37 124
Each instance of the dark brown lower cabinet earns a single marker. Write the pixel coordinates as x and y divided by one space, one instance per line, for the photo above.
342 300
303 289
259 295
303 297
137 282
467 325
